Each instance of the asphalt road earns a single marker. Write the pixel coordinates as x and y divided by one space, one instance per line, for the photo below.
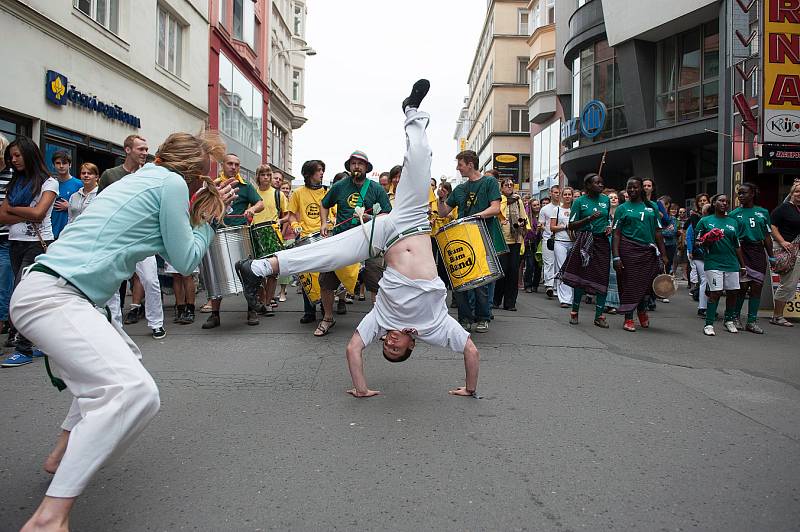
579 429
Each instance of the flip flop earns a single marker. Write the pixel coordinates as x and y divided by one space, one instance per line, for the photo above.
324 329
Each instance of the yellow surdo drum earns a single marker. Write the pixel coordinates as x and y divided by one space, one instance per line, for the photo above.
468 253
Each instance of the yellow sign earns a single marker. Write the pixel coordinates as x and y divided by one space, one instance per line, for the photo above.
781 54
464 253
462 144
310 282
506 158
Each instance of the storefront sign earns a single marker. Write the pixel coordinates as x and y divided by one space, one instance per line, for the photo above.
779 159
569 131
507 164
593 119
781 122
58 91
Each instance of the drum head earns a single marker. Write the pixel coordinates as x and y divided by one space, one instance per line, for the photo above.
664 286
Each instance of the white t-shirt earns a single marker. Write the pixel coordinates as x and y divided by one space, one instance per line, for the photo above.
404 303
25 230
563 219
546 212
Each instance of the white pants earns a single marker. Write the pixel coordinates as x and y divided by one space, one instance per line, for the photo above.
564 291
114 396
410 210
548 265
147 270
699 266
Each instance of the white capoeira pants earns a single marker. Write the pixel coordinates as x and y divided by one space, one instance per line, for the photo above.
410 210
561 250
147 270
548 265
114 397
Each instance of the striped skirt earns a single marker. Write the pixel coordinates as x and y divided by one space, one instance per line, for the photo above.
586 266
640 268
755 260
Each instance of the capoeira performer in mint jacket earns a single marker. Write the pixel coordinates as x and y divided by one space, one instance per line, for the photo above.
411 302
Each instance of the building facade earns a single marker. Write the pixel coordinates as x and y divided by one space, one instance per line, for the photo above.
238 93
287 79
87 74
496 124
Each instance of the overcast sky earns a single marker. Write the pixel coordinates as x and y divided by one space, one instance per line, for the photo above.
369 53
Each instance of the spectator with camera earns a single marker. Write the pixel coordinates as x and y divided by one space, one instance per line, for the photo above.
514 222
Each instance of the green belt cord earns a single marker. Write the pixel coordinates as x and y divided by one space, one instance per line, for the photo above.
55 381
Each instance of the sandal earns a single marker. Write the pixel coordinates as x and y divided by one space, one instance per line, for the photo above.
780 320
324 328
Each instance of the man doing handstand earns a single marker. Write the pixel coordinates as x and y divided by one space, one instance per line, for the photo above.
411 303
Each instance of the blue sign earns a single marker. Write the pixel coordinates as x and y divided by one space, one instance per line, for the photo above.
58 91
593 119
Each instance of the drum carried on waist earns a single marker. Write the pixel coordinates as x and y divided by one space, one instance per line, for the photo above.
468 253
230 245
266 239
310 284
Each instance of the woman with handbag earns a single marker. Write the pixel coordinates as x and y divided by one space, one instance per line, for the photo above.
114 397
29 201
786 238
562 244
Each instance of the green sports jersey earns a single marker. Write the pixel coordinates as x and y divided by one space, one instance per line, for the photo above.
720 255
637 221
585 206
246 197
345 195
754 223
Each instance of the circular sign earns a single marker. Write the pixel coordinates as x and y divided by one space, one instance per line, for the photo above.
506 158
593 118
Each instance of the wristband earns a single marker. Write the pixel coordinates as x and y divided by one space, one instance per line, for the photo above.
615 259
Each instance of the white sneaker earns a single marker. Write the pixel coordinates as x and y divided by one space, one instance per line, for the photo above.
730 327
708 330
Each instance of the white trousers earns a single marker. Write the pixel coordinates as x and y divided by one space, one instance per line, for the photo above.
561 251
410 210
114 396
147 270
548 265
700 267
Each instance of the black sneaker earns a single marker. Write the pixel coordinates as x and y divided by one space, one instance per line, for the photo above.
188 316
179 312
418 93
159 333
252 317
308 318
250 283
341 307
212 321
132 316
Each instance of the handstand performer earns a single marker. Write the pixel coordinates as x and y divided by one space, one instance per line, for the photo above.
411 302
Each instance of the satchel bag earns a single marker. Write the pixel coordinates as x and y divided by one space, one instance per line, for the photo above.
785 260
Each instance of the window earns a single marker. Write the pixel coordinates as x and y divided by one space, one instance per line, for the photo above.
544 75
523 15
277 145
518 121
522 70
104 12
244 21
297 85
596 77
298 20
687 75
170 42
240 106
545 153
223 12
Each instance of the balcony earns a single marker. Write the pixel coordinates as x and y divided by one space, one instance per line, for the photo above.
542 106
586 25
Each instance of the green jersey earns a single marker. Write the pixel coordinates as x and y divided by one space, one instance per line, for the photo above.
754 223
246 196
585 206
637 221
721 255
473 197
347 195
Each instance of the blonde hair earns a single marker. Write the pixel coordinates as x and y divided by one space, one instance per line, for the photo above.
561 202
91 167
187 155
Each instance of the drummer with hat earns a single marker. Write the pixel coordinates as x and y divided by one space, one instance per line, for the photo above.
356 190
411 303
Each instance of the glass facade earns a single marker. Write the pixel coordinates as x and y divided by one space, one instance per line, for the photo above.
595 76
687 75
240 106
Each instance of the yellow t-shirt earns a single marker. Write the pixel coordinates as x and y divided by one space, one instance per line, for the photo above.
305 204
270 212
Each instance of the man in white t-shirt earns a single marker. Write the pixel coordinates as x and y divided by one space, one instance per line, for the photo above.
548 257
411 302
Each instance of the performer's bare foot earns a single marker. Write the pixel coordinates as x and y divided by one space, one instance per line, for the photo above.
53 460
368 393
51 516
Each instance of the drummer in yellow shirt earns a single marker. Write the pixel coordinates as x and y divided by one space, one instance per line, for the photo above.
304 215
275 207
